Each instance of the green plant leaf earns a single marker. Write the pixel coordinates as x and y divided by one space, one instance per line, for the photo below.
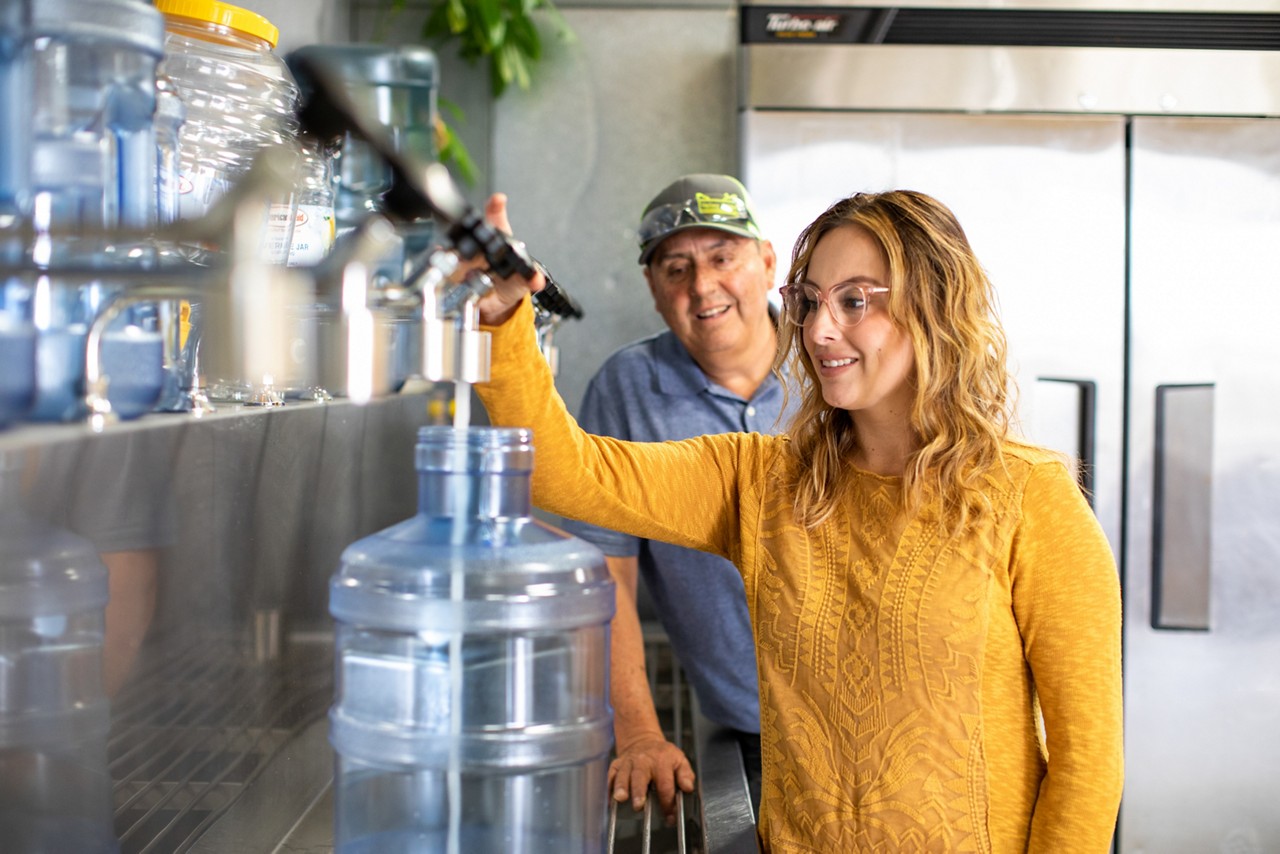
524 35
460 117
491 22
519 66
459 15
503 32
453 152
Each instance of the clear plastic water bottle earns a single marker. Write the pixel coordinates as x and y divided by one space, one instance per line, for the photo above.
313 225
239 98
180 380
472 709
170 115
55 789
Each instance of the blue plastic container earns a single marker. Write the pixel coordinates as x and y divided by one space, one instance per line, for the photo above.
18 371
82 159
472 708
132 357
55 789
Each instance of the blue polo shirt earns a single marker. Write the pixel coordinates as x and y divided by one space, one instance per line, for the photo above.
653 391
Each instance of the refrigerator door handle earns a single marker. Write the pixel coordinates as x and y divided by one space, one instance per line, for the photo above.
1182 507
1082 414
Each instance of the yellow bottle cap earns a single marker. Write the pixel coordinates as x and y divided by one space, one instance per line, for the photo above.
223 14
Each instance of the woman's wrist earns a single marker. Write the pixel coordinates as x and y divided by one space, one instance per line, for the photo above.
496 309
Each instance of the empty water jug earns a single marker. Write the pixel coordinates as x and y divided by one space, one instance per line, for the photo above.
395 87
472 708
15 104
17 335
55 789
80 161
18 355
239 98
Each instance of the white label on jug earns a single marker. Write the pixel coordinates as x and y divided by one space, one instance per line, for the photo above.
279 230
196 192
313 235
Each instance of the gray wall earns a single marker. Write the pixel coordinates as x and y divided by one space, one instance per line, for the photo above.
462 84
303 21
643 93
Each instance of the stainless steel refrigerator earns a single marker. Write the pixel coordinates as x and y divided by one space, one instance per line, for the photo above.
1117 169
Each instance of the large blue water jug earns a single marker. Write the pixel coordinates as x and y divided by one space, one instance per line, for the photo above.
55 788
472 651
17 335
395 87
79 158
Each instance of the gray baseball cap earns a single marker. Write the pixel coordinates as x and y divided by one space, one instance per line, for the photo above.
697 201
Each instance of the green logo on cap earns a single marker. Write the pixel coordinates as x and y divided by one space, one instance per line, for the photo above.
729 205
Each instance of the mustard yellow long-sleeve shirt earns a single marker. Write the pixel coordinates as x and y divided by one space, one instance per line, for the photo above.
903 676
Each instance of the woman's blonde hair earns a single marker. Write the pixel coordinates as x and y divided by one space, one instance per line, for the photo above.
940 295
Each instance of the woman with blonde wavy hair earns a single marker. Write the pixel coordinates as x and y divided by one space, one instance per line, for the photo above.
959 419
936 610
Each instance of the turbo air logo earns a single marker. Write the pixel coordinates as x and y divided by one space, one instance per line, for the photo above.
795 25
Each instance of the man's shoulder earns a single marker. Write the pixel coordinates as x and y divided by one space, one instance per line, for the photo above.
632 360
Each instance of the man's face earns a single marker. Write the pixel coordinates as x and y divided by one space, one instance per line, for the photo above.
712 289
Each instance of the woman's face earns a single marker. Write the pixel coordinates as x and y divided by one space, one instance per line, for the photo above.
865 368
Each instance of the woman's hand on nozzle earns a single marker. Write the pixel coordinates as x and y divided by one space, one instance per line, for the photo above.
501 302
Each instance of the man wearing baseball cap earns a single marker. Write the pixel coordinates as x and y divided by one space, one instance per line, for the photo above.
709 270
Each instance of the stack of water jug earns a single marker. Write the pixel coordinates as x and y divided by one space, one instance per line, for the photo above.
471 709
119 117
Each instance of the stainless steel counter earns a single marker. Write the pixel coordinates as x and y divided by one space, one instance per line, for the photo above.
236 758
216 752
219 536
